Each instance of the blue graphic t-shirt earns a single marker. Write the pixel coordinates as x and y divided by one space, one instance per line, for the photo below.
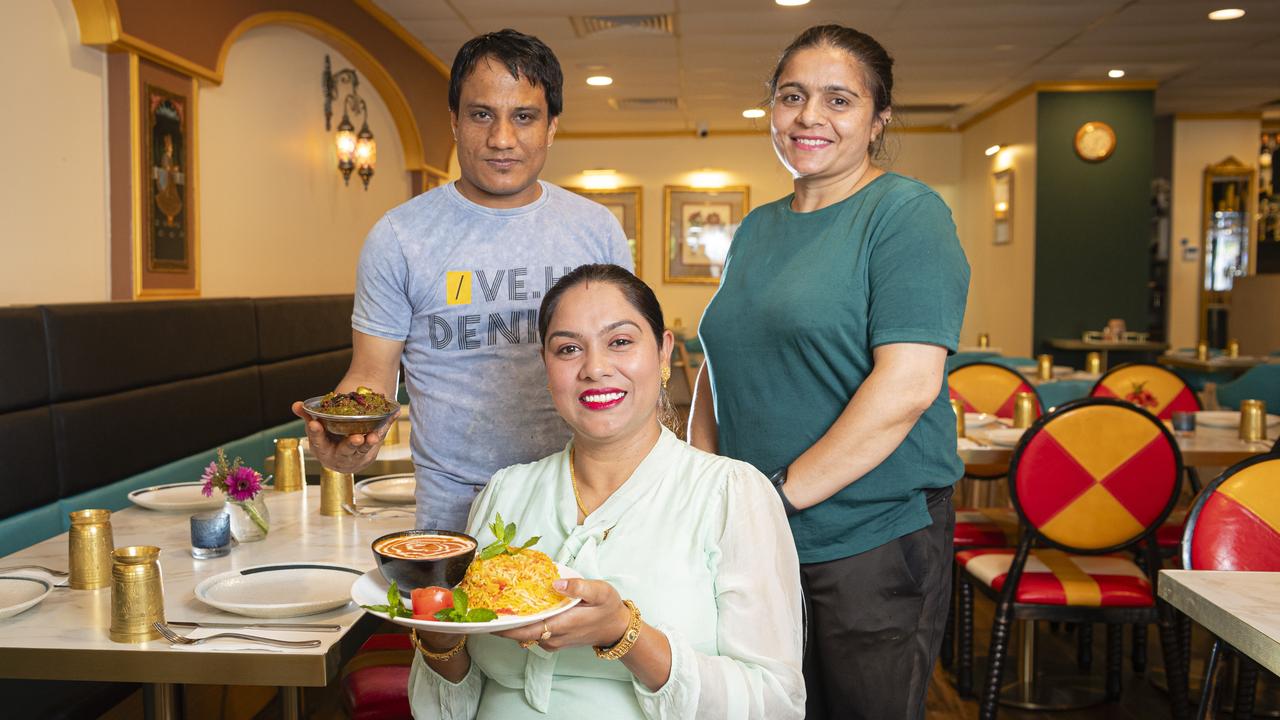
461 284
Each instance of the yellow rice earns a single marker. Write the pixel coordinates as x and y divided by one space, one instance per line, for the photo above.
517 584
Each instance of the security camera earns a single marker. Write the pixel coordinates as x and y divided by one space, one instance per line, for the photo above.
703 130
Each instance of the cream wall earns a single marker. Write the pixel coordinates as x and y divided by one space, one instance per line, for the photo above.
747 160
275 216
1196 145
1002 282
53 196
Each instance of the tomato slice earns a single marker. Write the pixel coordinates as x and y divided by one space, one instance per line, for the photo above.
429 600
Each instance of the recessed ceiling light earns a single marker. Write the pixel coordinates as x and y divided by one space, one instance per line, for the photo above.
1115 73
599 80
791 3
992 150
1226 14
753 113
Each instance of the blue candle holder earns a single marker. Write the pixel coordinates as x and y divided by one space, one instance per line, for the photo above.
210 535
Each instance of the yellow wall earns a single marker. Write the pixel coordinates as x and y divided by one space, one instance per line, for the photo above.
275 216
747 160
1002 282
53 197
1196 145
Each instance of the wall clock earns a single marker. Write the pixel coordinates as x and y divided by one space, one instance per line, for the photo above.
1095 141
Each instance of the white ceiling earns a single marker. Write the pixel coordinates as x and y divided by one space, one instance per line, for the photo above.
965 53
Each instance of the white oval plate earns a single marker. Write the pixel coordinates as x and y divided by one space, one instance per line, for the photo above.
1228 419
1006 437
21 593
397 489
280 590
371 589
977 420
176 497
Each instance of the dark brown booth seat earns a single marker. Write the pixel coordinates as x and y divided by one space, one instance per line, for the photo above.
26 431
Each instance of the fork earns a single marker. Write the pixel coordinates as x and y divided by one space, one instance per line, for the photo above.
51 571
374 512
177 639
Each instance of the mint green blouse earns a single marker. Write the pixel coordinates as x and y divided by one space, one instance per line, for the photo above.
701 545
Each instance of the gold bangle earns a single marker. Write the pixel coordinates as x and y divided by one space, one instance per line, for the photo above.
438 656
628 640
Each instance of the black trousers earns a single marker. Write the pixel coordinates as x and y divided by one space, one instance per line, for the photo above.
876 621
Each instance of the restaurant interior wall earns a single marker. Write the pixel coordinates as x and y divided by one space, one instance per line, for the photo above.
53 197
1198 143
276 218
1002 277
1093 219
652 162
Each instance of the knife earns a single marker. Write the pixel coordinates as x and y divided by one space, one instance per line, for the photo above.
301 627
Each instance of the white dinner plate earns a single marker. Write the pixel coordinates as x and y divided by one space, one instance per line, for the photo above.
21 593
396 488
280 590
176 497
977 419
1006 437
1228 419
1059 371
371 589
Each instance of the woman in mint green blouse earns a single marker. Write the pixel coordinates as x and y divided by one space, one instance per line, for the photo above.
825 351
698 545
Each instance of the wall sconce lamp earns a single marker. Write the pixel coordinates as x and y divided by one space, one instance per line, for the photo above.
356 151
993 149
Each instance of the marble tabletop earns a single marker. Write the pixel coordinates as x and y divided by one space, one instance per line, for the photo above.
1239 607
1217 363
1206 447
65 636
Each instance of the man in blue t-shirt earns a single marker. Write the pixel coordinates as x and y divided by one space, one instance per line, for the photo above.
450 282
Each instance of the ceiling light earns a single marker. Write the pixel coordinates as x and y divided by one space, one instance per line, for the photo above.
791 3
1226 14
599 80
1115 73
992 150
753 113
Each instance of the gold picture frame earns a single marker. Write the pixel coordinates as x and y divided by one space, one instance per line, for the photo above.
699 224
627 205
1002 207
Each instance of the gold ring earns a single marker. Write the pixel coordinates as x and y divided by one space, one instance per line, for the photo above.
546 632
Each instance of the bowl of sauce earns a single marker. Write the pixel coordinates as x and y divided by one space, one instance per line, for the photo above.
422 558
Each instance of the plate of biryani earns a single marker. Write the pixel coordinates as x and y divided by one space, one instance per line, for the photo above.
505 586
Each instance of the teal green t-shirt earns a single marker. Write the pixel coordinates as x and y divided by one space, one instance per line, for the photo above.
788 337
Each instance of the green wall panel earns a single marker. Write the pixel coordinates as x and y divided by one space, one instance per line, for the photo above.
1092 219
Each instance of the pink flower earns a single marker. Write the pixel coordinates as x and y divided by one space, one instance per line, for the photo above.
243 484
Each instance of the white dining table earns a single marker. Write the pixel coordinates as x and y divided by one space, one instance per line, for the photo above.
65 637
1239 607
1206 447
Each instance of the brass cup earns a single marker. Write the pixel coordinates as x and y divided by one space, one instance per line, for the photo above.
1202 351
1233 349
958 408
1044 367
393 433
288 465
89 546
984 340
1253 420
1093 363
137 594
336 488
1024 409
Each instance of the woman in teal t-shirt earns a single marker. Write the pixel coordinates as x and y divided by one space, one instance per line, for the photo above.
825 349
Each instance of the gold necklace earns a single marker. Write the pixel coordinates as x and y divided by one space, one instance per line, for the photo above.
573 480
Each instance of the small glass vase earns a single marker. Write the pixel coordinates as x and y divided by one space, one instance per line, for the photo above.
250 519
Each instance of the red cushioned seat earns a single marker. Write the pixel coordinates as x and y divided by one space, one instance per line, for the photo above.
375 683
1169 535
977 528
1052 577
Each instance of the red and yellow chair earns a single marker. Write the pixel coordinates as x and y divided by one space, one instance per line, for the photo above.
1155 389
375 683
1235 525
1089 480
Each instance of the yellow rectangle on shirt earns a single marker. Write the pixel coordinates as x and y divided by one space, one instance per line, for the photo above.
458 287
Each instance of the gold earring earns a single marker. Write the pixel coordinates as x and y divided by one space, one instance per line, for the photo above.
665 374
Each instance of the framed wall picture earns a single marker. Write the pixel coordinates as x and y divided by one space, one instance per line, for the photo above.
1002 207
699 224
627 206
166 196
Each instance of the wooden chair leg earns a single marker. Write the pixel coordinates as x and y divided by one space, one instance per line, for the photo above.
1174 662
1246 685
997 653
1207 686
1084 646
964 676
1139 656
1115 659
